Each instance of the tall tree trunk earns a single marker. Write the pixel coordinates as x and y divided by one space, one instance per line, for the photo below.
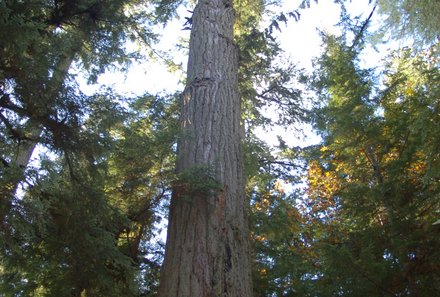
207 251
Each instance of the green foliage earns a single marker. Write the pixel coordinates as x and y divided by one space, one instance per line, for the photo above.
255 153
64 241
375 167
367 221
282 257
263 81
87 216
200 179
412 19
166 9
72 229
82 222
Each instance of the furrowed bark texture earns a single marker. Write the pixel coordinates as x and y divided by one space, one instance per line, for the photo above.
207 251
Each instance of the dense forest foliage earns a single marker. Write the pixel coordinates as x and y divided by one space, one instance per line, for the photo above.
85 180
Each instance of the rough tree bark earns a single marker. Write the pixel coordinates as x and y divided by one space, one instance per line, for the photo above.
207 251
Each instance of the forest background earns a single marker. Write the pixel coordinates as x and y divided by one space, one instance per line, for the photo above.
355 215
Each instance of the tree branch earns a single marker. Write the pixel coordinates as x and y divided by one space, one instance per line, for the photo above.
363 28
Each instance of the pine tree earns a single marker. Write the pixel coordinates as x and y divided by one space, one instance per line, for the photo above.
418 20
369 183
67 233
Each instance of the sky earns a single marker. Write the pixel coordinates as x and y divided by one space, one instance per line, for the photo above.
299 39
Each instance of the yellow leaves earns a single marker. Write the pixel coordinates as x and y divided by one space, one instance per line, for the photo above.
280 186
409 89
323 186
322 183
409 92
392 155
260 238
263 204
340 167
262 271
417 167
416 170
